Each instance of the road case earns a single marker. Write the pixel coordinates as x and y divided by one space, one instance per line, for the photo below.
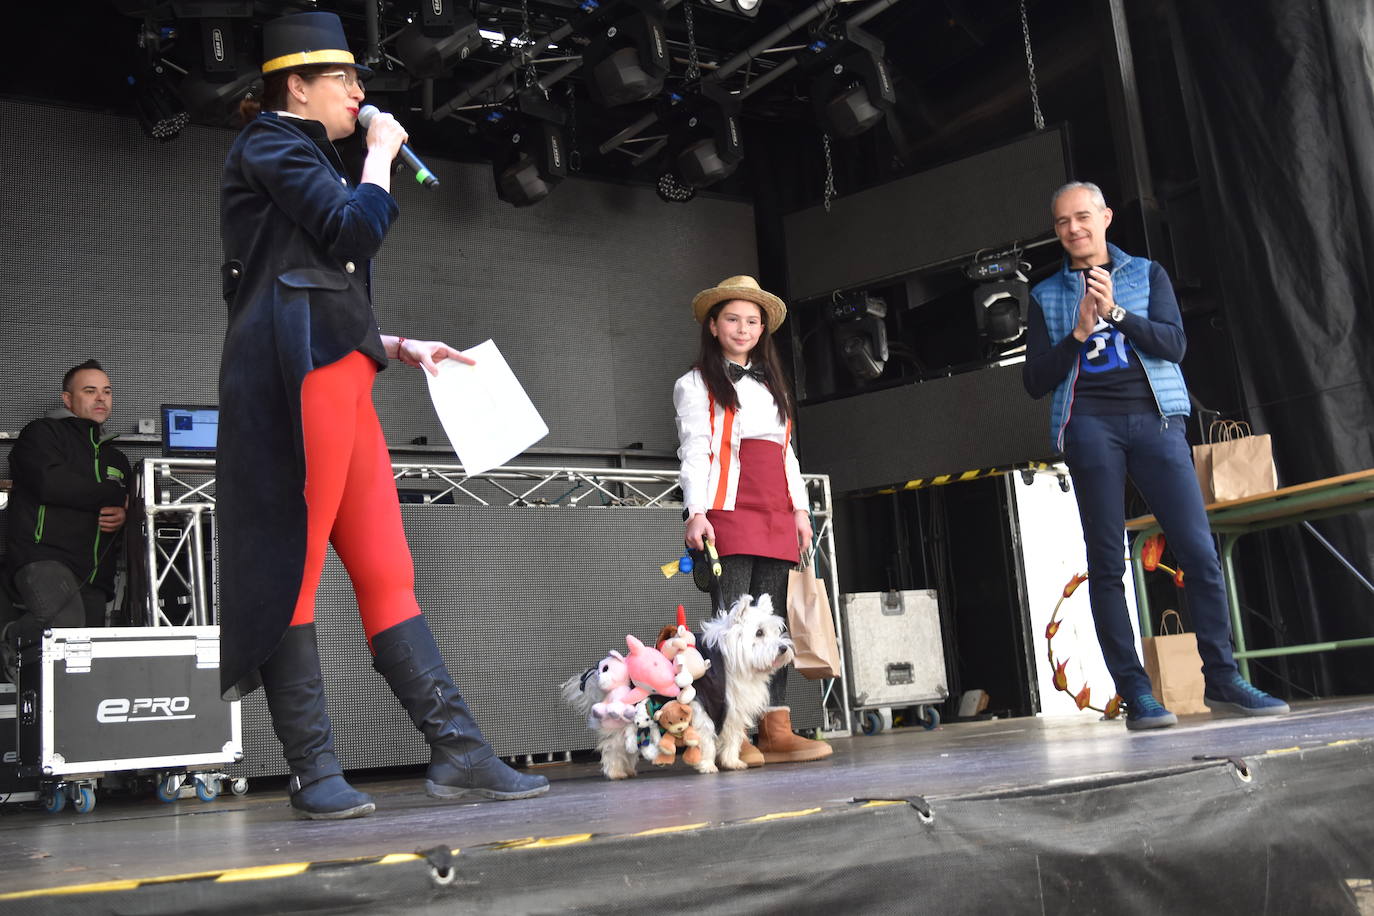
895 652
99 700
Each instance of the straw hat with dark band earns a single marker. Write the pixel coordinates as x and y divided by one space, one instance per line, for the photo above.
746 288
306 39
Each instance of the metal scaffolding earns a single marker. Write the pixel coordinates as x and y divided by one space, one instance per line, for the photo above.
178 499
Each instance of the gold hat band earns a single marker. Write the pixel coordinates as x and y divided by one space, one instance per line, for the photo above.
304 58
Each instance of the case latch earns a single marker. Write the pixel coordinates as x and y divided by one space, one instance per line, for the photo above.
77 654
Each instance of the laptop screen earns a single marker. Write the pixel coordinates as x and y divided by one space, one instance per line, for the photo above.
189 430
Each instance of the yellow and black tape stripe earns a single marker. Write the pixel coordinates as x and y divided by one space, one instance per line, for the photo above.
962 477
292 869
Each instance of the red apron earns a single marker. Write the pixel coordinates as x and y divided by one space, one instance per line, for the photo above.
762 523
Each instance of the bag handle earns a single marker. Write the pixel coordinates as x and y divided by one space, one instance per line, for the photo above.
1227 430
1164 623
807 560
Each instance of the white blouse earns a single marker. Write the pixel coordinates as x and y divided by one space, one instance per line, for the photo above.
699 440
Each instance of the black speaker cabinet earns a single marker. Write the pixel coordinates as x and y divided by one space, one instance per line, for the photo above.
519 599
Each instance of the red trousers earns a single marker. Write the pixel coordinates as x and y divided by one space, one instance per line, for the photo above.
350 497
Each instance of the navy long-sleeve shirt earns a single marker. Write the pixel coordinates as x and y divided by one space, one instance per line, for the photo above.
1111 379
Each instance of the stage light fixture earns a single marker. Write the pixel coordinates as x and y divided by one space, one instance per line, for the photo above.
860 334
852 92
673 190
161 113
527 148
442 35
627 60
748 8
704 137
1000 306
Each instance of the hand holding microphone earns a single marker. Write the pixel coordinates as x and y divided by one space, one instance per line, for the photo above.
386 125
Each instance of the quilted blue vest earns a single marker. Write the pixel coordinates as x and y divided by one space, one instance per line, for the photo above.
1059 295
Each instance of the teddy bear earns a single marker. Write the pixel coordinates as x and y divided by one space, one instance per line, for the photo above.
679 645
675 721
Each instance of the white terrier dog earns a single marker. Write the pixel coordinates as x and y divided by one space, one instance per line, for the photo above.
745 645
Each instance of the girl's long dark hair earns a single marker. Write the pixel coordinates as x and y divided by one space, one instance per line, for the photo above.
711 363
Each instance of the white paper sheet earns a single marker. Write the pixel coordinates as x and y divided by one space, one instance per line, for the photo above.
484 410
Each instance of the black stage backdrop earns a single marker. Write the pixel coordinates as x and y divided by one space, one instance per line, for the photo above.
111 249
1281 111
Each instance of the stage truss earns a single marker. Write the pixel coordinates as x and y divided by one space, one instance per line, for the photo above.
178 501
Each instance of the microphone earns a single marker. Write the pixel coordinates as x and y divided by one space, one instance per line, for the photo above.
422 172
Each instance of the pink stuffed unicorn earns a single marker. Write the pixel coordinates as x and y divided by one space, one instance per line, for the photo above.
649 671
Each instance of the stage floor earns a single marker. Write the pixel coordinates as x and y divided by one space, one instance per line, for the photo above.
127 839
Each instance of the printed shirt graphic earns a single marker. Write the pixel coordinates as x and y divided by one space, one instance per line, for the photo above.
1111 379
1107 350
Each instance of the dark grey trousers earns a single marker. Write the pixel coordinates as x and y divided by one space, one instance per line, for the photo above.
54 598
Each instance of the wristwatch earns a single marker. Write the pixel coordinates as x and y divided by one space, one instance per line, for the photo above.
1116 314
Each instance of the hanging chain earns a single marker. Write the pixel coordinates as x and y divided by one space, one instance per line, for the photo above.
829 193
527 46
1030 68
693 62
574 152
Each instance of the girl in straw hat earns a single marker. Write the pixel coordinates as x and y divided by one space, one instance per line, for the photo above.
740 480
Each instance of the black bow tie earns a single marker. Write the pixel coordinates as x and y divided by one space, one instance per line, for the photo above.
738 372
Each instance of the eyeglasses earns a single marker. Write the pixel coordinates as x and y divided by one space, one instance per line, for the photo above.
348 78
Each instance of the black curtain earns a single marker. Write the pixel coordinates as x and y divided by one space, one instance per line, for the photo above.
1280 99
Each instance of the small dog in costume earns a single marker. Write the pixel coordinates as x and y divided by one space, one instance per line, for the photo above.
744 646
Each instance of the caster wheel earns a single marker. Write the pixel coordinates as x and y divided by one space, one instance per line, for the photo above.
84 800
168 788
239 786
207 788
929 717
872 722
56 801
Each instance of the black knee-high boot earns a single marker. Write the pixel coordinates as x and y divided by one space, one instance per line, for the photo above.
295 696
461 761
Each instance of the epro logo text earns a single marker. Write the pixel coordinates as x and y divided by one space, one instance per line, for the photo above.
143 709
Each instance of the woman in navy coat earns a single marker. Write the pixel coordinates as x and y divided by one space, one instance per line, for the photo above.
301 458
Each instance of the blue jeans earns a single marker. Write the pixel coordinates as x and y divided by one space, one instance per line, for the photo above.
1100 451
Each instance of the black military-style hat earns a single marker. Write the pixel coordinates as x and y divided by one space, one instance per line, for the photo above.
305 39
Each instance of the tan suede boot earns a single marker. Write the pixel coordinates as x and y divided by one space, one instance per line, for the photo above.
780 744
750 754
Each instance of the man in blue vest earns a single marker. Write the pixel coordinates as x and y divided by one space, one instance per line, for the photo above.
1105 337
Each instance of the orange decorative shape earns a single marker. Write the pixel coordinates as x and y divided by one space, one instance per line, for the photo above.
1113 709
1051 629
1061 677
1073 584
1152 550
1178 578
1084 697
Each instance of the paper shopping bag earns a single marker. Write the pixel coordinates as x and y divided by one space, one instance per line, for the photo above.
1202 464
1235 463
811 625
1174 666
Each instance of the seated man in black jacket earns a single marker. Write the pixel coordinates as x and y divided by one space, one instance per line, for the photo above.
66 511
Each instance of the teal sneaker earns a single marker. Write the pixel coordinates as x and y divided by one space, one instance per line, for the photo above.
1147 712
1242 697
